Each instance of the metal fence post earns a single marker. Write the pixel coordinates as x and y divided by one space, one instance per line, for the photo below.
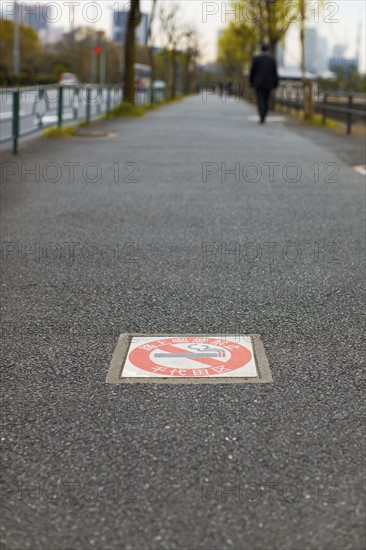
99 100
349 115
40 96
88 97
325 108
60 106
75 110
16 101
108 106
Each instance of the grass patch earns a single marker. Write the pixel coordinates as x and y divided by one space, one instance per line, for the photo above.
317 120
56 132
336 126
125 109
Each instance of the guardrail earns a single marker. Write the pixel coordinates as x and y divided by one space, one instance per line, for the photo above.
351 113
26 111
343 107
29 110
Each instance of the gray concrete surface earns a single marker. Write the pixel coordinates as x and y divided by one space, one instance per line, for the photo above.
91 465
350 149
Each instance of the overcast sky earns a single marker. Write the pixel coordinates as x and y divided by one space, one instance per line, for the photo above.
339 23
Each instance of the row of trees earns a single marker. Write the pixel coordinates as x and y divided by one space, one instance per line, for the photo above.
262 21
180 48
346 80
256 21
41 64
175 62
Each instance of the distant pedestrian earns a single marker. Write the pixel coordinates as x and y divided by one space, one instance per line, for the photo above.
264 78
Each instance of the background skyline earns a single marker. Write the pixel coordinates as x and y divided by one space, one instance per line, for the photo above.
341 27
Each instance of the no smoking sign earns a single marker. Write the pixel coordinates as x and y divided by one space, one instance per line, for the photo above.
189 359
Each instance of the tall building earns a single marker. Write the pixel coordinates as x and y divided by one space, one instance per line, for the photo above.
142 30
280 54
311 50
338 50
119 27
36 15
322 54
41 17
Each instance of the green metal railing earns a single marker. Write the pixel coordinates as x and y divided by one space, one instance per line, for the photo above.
15 136
53 105
345 107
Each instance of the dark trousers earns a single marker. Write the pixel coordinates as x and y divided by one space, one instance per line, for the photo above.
263 95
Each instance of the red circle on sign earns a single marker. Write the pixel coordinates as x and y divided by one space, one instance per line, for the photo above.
142 357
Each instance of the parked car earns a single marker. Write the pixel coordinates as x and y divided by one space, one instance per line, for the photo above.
68 79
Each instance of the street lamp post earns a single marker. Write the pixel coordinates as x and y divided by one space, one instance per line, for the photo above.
306 84
94 61
102 68
103 63
302 38
16 38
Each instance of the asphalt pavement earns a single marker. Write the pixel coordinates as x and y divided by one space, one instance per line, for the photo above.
136 227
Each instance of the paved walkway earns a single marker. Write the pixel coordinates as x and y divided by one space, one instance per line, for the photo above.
90 465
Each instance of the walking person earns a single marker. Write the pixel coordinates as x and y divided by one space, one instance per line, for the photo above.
264 78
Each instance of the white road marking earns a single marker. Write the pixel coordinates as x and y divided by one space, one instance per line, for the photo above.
361 169
9 115
255 118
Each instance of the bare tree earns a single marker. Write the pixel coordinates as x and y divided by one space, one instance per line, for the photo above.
191 52
169 24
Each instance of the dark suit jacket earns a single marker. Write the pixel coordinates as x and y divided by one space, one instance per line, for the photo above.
263 73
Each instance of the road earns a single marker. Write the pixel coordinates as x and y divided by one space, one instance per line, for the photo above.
139 229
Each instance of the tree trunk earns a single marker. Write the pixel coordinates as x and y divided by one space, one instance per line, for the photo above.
187 80
152 65
170 72
174 74
130 52
151 54
308 104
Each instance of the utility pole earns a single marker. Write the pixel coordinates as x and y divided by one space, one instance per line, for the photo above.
358 44
307 87
103 51
302 39
16 39
93 61
102 67
72 17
